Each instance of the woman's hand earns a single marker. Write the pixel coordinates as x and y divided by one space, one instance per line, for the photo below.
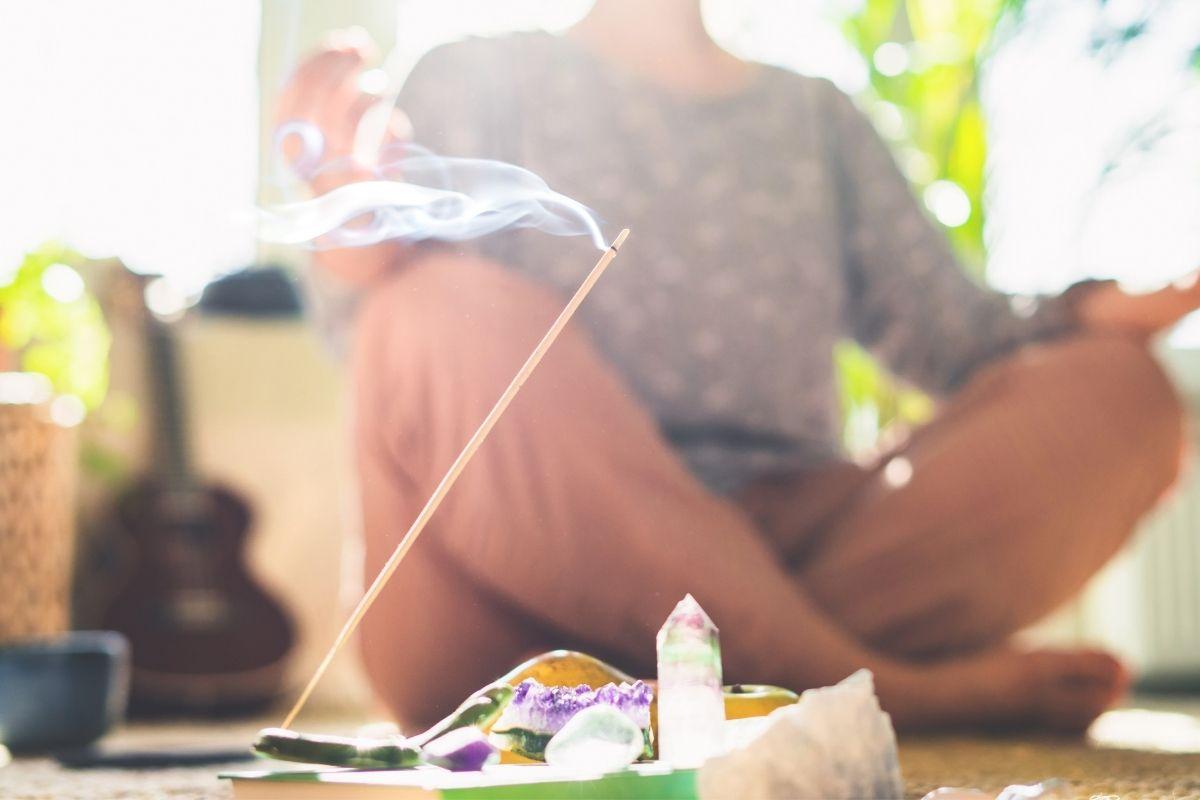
1106 307
326 92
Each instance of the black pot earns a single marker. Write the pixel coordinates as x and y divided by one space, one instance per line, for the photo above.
65 691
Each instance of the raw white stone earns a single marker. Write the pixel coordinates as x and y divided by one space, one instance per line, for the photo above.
1053 789
835 744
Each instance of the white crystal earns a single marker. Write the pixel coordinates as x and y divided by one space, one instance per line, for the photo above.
597 739
1053 789
691 705
836 743
954 793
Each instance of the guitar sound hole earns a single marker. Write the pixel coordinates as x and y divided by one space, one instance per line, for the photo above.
197 610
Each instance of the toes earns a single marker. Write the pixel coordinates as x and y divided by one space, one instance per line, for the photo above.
1078 686
1071 709
1091 668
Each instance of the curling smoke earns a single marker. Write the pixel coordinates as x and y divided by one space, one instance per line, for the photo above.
433 197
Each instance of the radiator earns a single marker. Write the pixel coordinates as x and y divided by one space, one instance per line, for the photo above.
1146 605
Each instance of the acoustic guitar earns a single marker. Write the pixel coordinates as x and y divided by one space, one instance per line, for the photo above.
206 637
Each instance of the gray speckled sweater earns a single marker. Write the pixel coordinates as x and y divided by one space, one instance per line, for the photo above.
767 225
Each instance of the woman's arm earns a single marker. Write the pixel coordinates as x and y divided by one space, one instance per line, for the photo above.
912 304
909 301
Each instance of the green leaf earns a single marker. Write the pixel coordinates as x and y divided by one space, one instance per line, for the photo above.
938 97
68 342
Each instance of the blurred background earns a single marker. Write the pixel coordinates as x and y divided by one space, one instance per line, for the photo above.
1053 140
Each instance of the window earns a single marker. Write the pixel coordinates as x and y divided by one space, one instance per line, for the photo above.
131 129
1060 117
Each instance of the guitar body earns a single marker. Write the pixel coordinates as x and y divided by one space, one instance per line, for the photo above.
205 637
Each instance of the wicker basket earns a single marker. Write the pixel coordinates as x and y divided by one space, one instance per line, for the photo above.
37 537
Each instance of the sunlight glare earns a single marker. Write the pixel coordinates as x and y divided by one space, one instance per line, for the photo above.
948 203
898 472
891 59
62 283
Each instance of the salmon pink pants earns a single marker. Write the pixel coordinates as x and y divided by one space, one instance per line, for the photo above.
577 526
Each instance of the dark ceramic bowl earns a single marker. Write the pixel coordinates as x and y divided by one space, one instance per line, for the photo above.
66 691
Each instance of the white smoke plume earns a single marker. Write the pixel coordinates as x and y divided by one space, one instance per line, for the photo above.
432 198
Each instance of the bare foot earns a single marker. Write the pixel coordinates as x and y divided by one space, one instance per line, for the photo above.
1055 690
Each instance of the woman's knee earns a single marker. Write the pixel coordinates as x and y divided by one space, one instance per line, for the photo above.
1071 444
1117 386
444 299
446 317
434 345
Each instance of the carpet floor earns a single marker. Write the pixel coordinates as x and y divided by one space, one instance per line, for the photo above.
1152 751
1088 772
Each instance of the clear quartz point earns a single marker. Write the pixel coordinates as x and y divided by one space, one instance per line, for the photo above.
691 705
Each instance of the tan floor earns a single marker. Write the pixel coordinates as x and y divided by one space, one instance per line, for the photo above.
1152 751
1089 772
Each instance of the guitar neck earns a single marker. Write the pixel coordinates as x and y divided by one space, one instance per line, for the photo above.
172 452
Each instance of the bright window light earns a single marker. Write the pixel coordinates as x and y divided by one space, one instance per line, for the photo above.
798 34
1071 194
131 129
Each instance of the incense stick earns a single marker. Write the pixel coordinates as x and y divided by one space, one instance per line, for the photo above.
455 470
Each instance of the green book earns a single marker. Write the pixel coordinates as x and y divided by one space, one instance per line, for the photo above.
649 781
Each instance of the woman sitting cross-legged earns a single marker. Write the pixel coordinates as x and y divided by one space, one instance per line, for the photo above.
682 435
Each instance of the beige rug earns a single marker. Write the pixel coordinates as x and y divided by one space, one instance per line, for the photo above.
1089 771
1149 752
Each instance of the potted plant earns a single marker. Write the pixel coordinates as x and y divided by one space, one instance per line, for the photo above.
53 370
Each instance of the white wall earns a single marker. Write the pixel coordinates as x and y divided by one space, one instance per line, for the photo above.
267 418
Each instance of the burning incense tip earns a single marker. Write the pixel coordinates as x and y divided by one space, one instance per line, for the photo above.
620 240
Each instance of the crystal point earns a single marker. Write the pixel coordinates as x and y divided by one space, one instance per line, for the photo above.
691 706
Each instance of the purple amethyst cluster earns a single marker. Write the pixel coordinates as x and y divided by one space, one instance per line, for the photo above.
545 709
